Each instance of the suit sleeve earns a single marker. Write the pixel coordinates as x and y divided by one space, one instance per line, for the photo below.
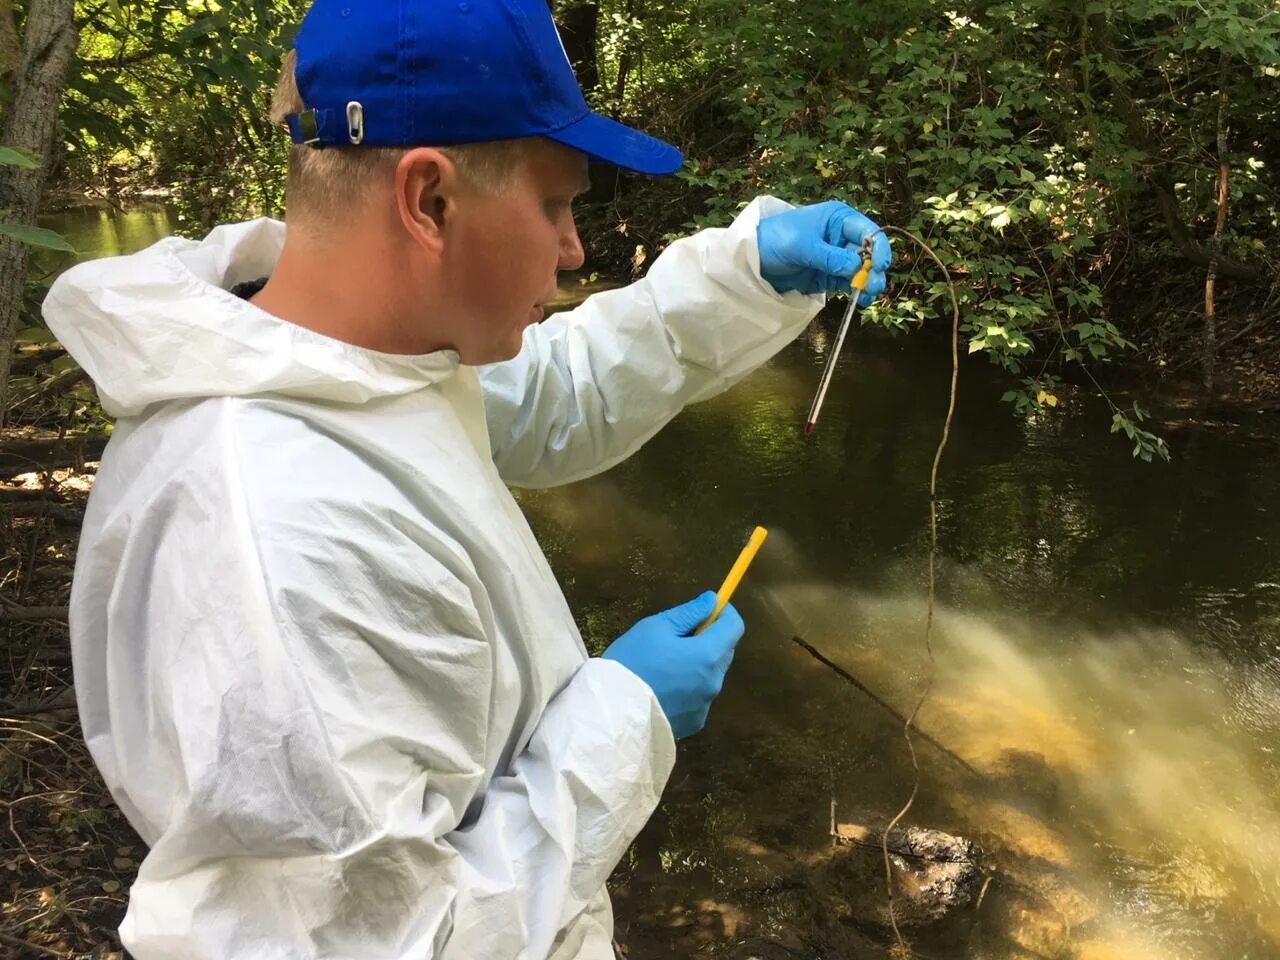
591 385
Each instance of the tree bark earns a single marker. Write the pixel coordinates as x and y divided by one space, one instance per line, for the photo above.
1181 235
579 28
32 122
10 46
625 58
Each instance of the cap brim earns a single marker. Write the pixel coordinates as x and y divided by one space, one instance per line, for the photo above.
603 139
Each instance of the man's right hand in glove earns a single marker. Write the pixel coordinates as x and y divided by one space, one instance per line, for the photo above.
684 671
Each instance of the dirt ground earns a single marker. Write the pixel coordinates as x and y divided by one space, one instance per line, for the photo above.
67 855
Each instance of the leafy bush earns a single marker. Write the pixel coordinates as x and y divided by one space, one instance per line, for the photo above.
1052 154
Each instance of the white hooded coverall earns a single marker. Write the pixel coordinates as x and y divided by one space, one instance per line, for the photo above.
321 661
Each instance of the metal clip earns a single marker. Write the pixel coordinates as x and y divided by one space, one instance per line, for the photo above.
355 122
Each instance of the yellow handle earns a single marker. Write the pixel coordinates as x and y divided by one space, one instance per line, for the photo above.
735 576
859 281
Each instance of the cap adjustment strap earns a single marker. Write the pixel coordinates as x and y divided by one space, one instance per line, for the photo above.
305 127
320 127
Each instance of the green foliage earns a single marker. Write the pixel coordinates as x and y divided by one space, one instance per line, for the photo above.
1145 443
1019 138
1061 158
176 94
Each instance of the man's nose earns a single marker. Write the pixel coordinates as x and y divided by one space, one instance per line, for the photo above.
571 255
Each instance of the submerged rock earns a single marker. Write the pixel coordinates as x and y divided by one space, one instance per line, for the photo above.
935 873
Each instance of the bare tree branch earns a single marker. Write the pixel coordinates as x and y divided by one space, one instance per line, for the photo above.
33 613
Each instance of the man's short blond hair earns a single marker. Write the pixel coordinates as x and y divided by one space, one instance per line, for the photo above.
324 182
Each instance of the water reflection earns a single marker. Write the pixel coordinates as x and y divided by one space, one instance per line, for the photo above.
103 232
1107 659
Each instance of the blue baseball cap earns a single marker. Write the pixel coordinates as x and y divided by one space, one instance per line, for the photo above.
403 73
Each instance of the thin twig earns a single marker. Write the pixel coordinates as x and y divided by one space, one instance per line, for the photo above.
71 761
982 893
1211 275
901 945
64 700
54 385
27 944
37 714
27 853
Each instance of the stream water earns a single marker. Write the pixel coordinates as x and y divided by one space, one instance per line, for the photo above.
1107 659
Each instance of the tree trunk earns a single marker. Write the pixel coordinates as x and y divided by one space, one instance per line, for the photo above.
1224 172
10 46
625 58
579 27
32 122
1158 177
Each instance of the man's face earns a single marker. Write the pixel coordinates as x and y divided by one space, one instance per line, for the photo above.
505 249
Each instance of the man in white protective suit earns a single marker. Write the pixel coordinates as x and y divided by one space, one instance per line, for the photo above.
321 661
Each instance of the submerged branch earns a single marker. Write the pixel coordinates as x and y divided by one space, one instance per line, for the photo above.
888 707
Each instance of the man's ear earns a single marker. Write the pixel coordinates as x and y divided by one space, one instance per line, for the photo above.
427 188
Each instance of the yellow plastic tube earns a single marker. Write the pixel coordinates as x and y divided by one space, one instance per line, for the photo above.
859 281
735 576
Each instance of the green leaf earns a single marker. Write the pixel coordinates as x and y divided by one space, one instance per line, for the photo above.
17 157
36 237
976 345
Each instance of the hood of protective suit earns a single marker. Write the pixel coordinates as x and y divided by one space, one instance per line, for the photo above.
163 325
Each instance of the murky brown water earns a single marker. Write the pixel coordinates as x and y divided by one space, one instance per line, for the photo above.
1108 660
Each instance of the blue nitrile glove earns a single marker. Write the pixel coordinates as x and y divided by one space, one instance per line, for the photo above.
814 249
685 672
